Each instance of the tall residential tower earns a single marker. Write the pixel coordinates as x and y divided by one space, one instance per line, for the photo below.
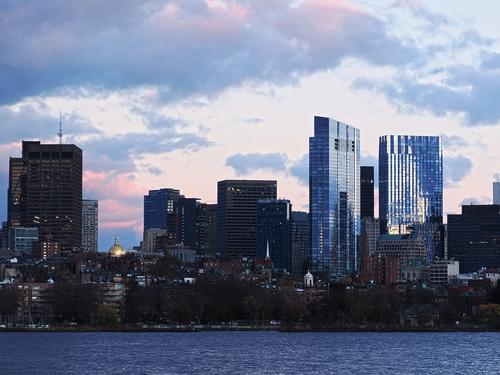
334 196
410 182
90 213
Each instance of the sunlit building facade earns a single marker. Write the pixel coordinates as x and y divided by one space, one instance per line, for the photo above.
334 197
410 182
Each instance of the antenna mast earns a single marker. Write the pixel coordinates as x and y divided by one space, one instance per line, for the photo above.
60 134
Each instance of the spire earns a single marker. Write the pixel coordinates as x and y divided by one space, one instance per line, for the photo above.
267 252
60 134
117 240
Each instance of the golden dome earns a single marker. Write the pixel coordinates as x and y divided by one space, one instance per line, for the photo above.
116 250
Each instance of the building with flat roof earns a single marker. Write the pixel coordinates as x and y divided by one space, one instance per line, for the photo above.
237 214
90 225
45 191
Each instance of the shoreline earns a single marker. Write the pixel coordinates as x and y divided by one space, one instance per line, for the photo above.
242 329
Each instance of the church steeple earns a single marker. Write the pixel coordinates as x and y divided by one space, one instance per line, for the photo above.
268 256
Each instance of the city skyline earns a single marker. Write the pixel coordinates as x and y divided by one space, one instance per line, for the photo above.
194 119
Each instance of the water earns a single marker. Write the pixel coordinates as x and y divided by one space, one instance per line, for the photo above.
249 353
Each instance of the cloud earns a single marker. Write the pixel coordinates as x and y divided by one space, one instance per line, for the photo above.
71 46
456 169
34 121
244 164
300 169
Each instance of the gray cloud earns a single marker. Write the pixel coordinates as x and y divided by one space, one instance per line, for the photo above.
58 45
33 121
244 164
300 169
456 169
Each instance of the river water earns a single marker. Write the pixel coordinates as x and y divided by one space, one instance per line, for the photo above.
249 353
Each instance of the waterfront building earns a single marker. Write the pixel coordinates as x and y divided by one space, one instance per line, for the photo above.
22 241
237 214
410 182
496 192
334 197
474 237
301 242
367 178
274 232
45 191
90 225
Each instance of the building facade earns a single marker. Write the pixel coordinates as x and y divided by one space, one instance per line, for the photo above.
237 214
496 192
23 241
274 229
334 197
406 247
90 225
367 178
45 191
160 208
301 242
474 237
410 182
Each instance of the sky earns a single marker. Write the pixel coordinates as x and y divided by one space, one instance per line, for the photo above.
184 93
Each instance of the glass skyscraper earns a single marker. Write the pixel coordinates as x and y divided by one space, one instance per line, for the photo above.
334 197
410 182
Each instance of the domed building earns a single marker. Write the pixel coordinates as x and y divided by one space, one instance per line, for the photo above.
308 280
117 250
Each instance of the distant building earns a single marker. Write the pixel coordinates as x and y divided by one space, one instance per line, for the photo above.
370 230
23 241
406 247
45 191
367 178
196 225
441 272
334 197
237 214
160 210
47 247
301 242
496 192
90 225
182 253
474 237
410 182
151 243
211 229
274 229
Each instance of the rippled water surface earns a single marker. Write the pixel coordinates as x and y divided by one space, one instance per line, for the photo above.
249 353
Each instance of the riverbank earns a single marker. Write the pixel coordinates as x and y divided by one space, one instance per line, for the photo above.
288 329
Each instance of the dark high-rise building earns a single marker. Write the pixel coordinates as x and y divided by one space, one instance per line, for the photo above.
237 214
274 229
211 229
160 211
334 197
410 182
474 237
367 191
45 191
301 242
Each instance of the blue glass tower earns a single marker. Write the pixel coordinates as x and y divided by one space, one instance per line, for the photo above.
334 197
159 209
410 182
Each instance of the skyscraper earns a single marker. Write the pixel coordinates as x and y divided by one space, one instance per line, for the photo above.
237 214
410 182
160 211
45 191
90 226
496 192
274 229
473 237
367 191
334 196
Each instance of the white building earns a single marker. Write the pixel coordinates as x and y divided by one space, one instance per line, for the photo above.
90 225
441 272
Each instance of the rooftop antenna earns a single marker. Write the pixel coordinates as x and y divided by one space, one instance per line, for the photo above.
60 134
